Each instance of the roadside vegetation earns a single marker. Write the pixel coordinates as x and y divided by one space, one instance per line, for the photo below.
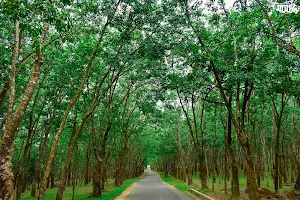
81 191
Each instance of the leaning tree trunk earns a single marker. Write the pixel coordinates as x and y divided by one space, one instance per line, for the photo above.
64 173
14 118
42 153
68 110
88 113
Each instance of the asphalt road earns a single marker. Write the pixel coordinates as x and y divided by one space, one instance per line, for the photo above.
152 188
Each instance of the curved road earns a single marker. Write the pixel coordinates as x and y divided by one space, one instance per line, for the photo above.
152 188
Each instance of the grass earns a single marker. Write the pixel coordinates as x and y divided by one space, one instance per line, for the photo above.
83 191
180 185
219 185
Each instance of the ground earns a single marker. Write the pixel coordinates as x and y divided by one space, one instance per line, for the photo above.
151 187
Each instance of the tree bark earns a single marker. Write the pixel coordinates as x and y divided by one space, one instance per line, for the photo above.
202 170
278 122
14 118
293 148
87 165
235 188
297 184
97 181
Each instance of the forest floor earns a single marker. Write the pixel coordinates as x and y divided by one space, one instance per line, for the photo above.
83 191
266 190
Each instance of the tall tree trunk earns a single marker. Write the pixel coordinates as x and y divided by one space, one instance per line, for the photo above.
6 144
65 171
68 110
213 151
62 184
43 147
189 166
235 187
297 184
87 165
14 118
278 122
293 148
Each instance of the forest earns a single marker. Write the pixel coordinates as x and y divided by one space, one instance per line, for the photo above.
93 91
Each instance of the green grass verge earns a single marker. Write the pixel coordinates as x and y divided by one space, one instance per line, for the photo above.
219 184
83 191
180 185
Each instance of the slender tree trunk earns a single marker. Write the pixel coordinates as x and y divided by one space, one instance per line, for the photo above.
42 153
4 92
293 148
6 144
235 187
278 122
297 184
65 171
213 151
14 118
68 110
87 165
189 167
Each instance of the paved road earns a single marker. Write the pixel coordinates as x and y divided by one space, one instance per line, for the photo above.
152 188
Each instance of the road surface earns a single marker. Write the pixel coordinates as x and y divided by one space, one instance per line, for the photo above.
152 188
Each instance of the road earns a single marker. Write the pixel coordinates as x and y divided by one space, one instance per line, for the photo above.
152 188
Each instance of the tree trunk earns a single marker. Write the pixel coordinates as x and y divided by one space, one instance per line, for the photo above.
235 187
293 148
278 122
52 180
14 118
202 171
87 164
97 181
297 184
189 165
252 188
276 163
119 171
68 110
42 153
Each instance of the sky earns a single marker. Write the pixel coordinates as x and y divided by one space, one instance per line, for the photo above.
229 3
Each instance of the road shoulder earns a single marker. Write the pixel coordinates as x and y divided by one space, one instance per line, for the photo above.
180 194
